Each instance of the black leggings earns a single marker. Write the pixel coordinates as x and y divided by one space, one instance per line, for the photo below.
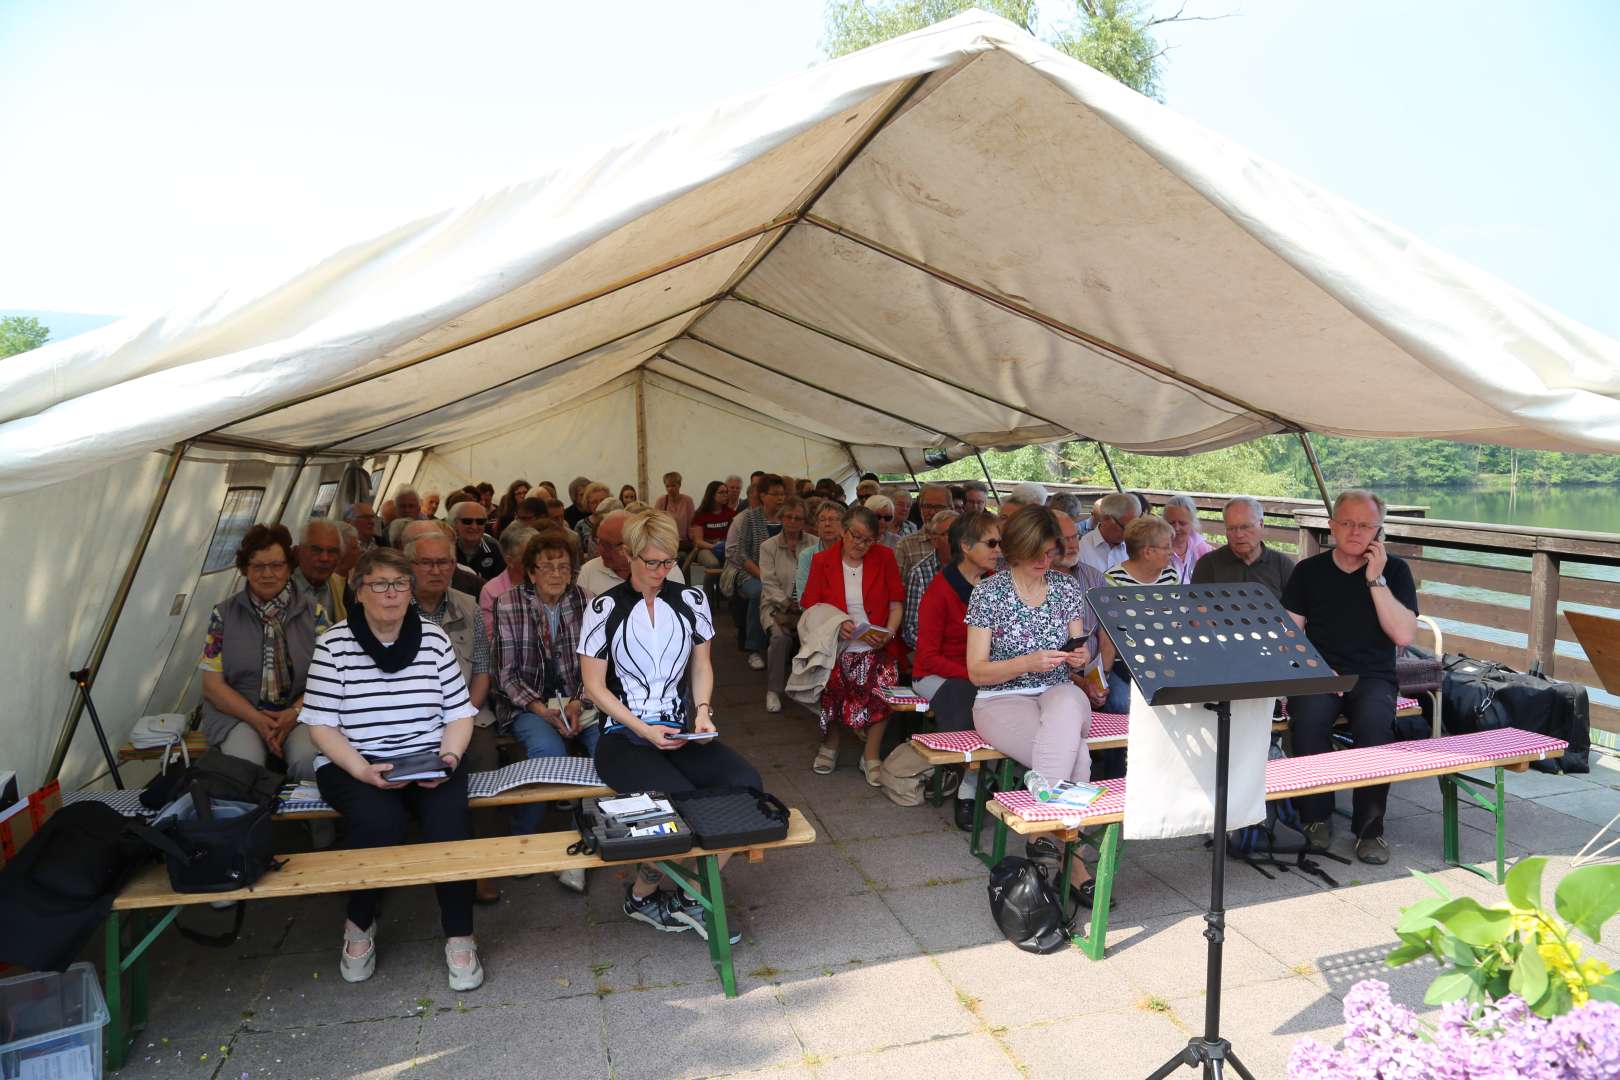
1370 706
374 817
625 767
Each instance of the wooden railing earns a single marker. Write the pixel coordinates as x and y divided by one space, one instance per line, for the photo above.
1426 543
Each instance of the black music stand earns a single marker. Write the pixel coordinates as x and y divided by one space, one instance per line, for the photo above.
1211 644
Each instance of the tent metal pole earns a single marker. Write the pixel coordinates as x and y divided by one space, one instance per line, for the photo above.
298 472
914 481
1108 461
854 463
994 494
1316 470
98 651
641 432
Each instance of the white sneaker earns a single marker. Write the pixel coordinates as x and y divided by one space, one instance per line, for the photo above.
463 976
356 969
773 701
756 661
572 880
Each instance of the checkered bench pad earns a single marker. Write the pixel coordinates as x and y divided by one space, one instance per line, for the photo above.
1111 802
903 698
1103 726
127 803
1371 762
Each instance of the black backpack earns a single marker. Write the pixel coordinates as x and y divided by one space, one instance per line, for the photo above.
212 844
1026 906
1482 694
221 775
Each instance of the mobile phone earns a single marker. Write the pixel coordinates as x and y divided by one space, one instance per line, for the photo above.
694 736
1073 644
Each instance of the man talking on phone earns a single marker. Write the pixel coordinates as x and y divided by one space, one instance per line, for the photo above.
1358 605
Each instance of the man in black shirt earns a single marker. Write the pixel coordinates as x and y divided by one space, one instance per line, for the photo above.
1358 605
1244 557
474 546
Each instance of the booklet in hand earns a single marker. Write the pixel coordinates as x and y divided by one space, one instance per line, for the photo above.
425 765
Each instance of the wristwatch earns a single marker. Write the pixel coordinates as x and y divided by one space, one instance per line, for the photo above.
1378 583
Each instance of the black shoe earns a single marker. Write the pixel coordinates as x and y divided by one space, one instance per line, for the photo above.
691 912
964 814
655 910
1043 849
1087 894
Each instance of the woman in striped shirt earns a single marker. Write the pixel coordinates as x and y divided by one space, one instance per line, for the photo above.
1149 548
384 684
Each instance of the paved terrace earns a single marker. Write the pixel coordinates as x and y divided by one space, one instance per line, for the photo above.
871 954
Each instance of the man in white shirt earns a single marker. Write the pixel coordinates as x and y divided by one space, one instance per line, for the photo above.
1103 548
612 568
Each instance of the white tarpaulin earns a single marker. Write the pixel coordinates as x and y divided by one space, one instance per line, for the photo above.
957 239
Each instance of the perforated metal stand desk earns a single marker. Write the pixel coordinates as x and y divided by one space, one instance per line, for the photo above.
1212 645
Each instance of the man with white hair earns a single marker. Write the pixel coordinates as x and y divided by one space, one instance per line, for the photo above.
975 497
1103 548
1245 556
1358 605
1028 493
351 550
611 568
915 547
903 525
407 504
364 520
319 548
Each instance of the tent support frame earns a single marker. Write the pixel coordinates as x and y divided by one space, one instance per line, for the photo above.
641 431
1316 470
914 481
1108 461
286 498
994 494
109 622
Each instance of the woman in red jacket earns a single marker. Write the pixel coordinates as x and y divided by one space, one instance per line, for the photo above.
939 670
860 577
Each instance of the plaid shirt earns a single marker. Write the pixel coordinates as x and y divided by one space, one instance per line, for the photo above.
752 531
917 582
520 652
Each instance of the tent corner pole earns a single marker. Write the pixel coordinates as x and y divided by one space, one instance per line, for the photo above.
109 623
1102 448
994 494
914 481
1316 470
286 499
641 431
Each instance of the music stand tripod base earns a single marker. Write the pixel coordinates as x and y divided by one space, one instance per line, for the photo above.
1211 644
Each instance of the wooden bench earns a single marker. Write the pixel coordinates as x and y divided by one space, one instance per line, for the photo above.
340 871
1449 758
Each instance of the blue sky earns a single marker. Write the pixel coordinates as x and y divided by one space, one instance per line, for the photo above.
162 148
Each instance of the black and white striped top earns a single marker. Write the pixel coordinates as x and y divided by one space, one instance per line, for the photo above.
649 651
382 714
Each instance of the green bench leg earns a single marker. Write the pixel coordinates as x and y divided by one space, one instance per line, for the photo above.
121 1032
1495 802
981 796
1095 940
708 889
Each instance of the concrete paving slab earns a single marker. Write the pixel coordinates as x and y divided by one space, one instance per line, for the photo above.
630 955
1299 932
156 1055
829 933
689 1032
375 1050
977 1056
801 874
1596 806
893 862
859 1008
1534 784
1007 987
306 990
1264 1022
946 917
1187 873
1165 957
534 965
559 1038
1137 1042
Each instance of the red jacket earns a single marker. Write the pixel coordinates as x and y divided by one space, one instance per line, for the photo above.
880 585
941 633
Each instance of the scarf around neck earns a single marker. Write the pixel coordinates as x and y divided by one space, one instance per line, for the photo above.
388 658
275 664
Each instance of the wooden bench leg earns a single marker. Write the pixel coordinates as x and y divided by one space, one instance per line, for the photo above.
119 1031
1495 802
981 795
1095 940
708 889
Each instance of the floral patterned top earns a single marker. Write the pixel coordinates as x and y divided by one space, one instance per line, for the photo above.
1016 629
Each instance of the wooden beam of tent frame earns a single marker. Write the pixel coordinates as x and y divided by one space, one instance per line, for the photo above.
1115 352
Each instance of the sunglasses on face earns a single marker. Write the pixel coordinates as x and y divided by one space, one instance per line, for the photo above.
991 542
472 521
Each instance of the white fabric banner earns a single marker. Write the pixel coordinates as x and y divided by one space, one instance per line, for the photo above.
1170 772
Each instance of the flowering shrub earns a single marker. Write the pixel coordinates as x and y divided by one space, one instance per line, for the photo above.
1502 1040
1516 946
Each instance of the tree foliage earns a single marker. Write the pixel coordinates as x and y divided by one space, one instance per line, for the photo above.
1113 36
19 333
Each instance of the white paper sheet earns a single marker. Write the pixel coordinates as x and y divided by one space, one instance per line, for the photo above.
1170 772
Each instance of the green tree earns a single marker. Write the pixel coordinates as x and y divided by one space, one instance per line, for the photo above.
1113 36
19 333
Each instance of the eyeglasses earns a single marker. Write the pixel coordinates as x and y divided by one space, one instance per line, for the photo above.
991 542
434 564
551 568
856 538
267 567
472 521
1241 528
1356 526
391 585
657 564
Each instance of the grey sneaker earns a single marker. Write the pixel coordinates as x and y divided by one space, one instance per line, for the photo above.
691 912
468 976
1372 850
656 911
1319 835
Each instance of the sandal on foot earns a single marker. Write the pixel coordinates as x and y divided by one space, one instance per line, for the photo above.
826 761
356 969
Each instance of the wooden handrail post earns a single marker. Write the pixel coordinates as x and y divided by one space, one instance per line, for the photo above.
1543 610
1307 544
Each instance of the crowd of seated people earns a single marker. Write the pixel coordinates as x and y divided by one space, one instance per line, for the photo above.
447 622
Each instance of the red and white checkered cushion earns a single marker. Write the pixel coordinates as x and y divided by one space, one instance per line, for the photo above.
1028 807
1363 763
1103 726
903 701
1108 725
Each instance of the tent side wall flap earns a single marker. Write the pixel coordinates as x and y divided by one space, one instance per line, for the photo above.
958 239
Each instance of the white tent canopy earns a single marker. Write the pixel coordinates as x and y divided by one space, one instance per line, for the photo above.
957 239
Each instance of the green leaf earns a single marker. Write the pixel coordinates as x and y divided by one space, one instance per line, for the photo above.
1523 882
1420 916
1473 922
1457 951
1448 987
1434 883
1529 979
1604 992
1588 897
1405 954
1557 1002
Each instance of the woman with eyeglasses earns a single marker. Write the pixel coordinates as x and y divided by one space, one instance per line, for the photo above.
384 685
1148 553
642 644
1019 625
1187 545
256 656
860 577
